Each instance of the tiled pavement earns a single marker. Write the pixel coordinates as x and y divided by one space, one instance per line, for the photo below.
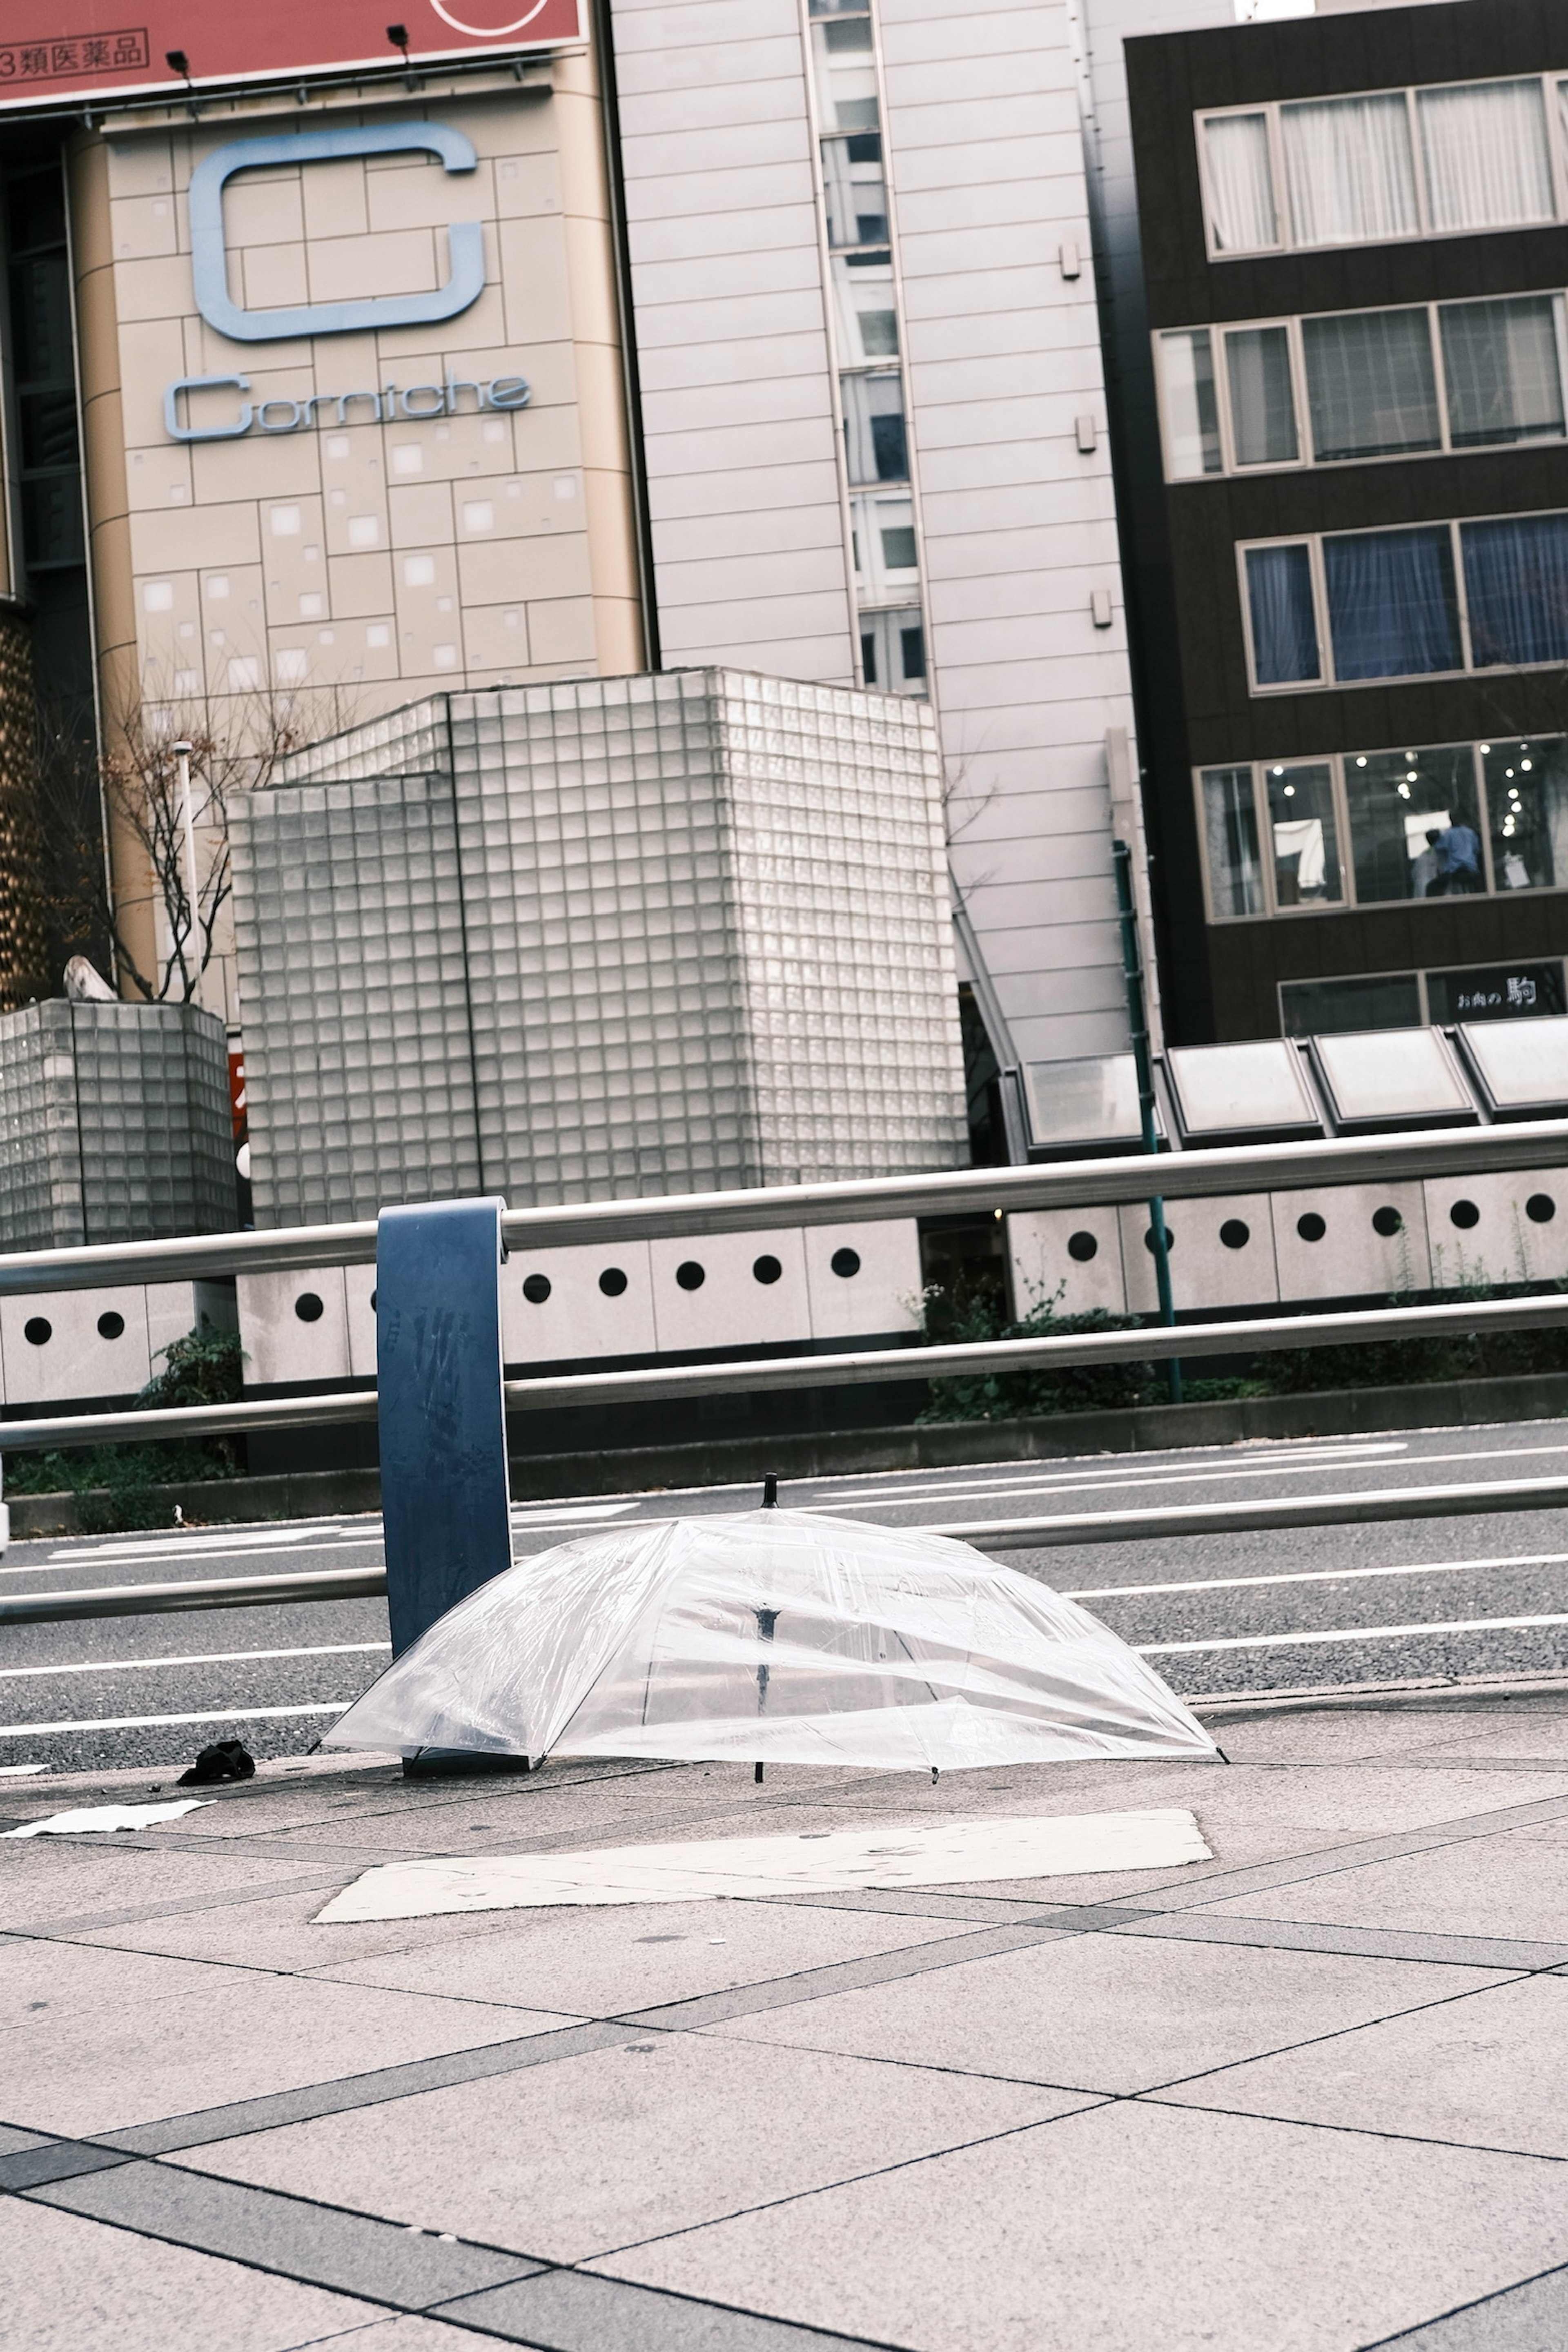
1311 2097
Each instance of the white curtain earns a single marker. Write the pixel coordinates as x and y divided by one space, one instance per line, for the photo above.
1349 169
1484 147
1241 186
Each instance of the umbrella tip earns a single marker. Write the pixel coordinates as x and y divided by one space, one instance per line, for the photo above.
769 1493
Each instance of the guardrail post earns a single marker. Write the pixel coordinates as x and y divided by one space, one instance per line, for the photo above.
445 1497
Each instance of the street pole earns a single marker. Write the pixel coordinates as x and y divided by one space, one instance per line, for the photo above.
1138 1022
182 755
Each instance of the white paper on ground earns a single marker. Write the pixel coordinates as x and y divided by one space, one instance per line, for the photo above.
891 1855
108 1817
18 1771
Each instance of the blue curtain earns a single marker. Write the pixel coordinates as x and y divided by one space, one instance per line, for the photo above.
1284 629
1393 612
1516 577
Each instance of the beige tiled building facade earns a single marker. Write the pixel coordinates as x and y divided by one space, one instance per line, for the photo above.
411 506
747 332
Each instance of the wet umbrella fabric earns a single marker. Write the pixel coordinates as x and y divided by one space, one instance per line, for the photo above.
775 1637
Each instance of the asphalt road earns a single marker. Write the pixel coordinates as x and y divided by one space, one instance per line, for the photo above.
1218 1615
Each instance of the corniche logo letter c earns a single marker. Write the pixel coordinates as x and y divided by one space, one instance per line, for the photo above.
209 264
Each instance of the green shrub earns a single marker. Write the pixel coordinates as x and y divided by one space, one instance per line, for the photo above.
115 1485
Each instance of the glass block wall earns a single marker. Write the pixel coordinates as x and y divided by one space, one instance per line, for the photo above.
651 934
114 1125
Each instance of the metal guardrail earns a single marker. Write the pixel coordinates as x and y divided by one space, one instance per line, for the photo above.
851 1368
1062 1185
1467 1501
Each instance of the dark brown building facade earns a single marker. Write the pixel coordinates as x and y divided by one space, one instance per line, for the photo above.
1355 242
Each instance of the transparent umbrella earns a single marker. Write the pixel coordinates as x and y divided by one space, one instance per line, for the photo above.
772 1636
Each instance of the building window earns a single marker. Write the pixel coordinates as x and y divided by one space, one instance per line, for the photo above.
1350 607
1282 606
1410 1000
857 224
1230 841
1445 161
1376 828
1370 385
1189 406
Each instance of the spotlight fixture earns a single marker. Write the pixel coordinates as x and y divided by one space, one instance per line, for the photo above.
177 62
398 35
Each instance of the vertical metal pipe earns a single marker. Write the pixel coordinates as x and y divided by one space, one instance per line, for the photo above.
1138 1022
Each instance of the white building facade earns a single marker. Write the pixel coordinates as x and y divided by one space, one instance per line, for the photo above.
874 427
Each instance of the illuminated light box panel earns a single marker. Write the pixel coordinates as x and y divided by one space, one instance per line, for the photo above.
1255 1093
1520 1066
1386 1079
604 937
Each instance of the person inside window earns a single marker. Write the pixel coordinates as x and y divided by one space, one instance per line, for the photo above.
1458 853
1424 866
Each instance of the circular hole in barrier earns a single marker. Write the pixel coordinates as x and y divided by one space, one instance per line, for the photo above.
1464 1213
536 1288
37 1331
1234 1233
308 1307
766 1269
611 1282
1540 1208
1310 1227
1387 1221
845 1261
690 1277
1082 1246
110 1326
1149 1240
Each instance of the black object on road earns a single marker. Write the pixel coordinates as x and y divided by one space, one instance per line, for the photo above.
226 1759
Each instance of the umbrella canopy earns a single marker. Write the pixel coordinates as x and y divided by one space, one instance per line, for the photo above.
768 1637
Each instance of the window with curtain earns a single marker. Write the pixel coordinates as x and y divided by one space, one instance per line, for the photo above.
1230 841
1190 406
1262 408
1242 214
1527 807
1501 370
1415 820
1303 836
1515 583
876 443
1284 622
1348 171
1372 391
1483 148
1393 609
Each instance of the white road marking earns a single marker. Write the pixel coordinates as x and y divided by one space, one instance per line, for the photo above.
1376 1457
213 1658
169 1553
1346 1633
1323 1575
554 1514
219 1539
147 1722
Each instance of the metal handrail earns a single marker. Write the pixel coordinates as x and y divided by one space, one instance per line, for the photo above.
1250 1516
848 1369
1512 1149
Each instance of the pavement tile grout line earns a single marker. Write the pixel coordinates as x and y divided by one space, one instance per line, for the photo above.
1458 2310
442 2303
1349 2131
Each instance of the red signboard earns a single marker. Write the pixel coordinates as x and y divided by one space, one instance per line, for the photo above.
55 49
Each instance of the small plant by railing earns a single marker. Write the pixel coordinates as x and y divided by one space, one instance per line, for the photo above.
116 1486
974 1314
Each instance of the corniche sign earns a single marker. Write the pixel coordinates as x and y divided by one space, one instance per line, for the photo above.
209 267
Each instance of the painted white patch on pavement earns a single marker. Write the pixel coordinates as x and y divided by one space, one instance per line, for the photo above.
893 1855
108 1817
